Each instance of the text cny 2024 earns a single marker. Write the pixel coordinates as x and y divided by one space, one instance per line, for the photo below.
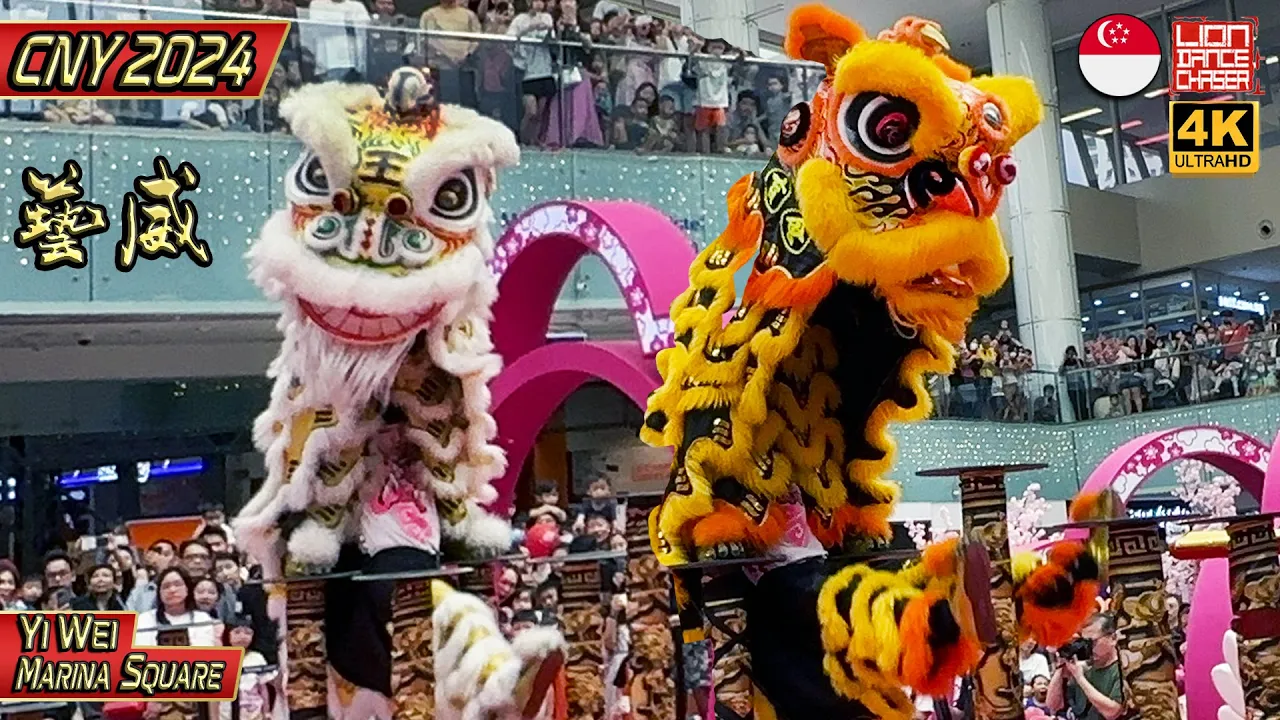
91 657
197 59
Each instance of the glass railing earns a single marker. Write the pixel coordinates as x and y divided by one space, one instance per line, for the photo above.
553 87
1247 368
1009 396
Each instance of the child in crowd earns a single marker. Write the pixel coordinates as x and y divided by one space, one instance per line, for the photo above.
257 693
664 129
711 106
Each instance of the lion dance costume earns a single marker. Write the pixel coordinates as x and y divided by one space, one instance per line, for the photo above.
873 238
378 434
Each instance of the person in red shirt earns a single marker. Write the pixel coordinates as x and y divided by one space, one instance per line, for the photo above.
1233 336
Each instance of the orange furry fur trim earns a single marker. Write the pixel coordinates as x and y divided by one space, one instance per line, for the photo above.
777 289
928 666
873 520
953 69
1054 627
940 559
727 524
1092 506
831 535
745 226
820 34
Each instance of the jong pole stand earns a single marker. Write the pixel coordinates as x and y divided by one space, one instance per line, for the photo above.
1254 561
1135 576
984 506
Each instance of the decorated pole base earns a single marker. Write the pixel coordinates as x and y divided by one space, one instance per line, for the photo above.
179 637
306 687
732 682
649 610
984 505
1255 597
582 617
1148 659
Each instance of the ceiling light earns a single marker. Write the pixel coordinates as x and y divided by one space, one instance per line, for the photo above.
1123 126
1121 312
1162 137
1265 298
1216 313
1222 98
1081 115
1185 284
1096 303
1236 294
1208 288
1133 295
1156 93
1273 60
1084 319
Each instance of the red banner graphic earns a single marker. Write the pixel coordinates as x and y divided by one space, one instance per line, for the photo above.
91 657
139 59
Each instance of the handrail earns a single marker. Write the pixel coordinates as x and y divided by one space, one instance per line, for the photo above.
1182 353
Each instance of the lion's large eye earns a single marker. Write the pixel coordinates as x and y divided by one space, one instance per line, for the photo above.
879 127
310 177
456 198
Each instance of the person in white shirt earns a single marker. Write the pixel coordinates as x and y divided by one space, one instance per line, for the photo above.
335 34
175 608
1033 663
539 84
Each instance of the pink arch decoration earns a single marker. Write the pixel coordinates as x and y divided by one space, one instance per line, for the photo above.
649 258
646 253
530 389
1243 457
1211 615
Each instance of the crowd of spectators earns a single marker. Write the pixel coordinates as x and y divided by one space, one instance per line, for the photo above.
568 73
1217 358
201 585
990 382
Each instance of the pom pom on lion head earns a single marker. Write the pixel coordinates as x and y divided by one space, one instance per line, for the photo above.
901 159
387 225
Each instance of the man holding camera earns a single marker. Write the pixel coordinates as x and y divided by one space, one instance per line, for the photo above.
1087 680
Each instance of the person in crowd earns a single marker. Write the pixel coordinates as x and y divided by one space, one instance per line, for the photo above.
664 132
8 584
571 115
630 129
547 598
746 117
28 597
196 557
174 608
256 693
1090 689
777 103
101 594
208 595
711 106
215 538
1045 409
336 37
533 57
452 57
1039 695
390 44
160 555
246 600
1131 380
58 570
675 39
638 68
1032 661
499 78
599 531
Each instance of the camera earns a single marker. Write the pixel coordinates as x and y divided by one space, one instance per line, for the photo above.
1266 229
1078 649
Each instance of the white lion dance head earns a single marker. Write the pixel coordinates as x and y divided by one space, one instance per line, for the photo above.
378 428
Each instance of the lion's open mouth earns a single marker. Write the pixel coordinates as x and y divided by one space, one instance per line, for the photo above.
948 281
357 326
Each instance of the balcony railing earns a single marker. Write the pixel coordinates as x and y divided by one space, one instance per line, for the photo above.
553 88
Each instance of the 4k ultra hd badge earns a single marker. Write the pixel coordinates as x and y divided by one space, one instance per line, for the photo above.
1213 138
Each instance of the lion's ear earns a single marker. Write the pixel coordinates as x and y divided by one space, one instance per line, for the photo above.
818 34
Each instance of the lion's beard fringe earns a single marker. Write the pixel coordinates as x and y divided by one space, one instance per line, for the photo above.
343 373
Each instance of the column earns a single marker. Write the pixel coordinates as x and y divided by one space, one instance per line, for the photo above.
1039 222
723 19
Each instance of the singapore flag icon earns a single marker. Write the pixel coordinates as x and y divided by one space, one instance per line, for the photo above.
1119 55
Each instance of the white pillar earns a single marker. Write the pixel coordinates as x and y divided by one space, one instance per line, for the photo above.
723 19
1038 221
